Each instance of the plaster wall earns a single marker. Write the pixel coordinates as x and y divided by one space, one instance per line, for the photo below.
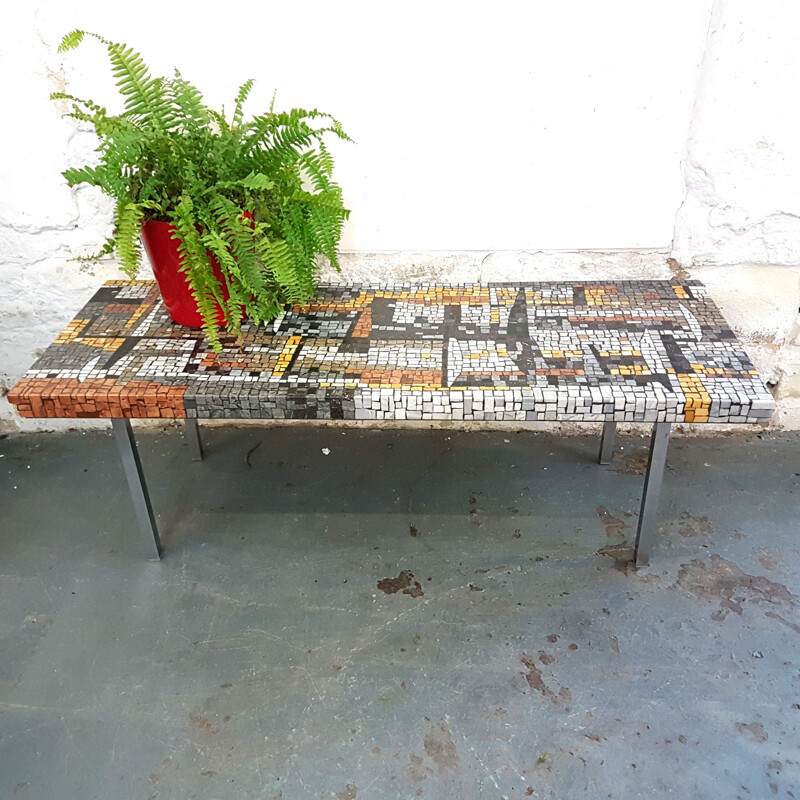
518 143
738 227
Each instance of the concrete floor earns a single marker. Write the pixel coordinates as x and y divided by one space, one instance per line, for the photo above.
267 656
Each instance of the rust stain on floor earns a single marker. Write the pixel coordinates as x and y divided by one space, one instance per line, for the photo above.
440 748
403 582
622 555
691 526
416 769
631 463
202 724
770 557
752 730
615 527
536 681
721 580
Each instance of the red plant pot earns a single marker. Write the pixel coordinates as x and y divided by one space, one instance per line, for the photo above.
166 260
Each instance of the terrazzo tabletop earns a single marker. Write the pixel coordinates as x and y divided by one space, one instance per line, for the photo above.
644 351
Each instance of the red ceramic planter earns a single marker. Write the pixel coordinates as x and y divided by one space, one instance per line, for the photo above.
165 259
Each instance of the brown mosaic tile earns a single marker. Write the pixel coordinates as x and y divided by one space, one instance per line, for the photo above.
642 351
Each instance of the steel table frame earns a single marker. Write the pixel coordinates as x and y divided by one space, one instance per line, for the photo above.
151 541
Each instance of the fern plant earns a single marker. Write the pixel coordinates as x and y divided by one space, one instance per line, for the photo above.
257 194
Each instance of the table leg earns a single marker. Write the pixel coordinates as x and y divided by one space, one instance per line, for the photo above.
192 432
136 483
607 443
646 533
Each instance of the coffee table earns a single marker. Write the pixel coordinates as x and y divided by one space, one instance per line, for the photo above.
656 352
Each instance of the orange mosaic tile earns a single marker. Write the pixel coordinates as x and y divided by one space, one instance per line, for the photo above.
580 351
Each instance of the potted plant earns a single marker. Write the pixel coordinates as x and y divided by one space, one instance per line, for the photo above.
233 213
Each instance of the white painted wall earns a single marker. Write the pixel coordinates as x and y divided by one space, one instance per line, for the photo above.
738 228
742 159
488 138
478 127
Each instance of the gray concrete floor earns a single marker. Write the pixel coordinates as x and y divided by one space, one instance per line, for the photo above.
267 657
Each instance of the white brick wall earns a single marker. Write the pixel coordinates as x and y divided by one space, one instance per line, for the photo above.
493 144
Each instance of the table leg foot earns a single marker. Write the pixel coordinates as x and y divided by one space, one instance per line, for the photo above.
607 443
192 433
646 533
123 434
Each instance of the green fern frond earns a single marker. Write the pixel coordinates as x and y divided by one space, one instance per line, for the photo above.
222 123
195 265
143 95
290 275
97 116
189 101
241 97
71 40
89 104
229 269
127 227
257 181
269 132
318 168
240 234
94 176
323 159
326 227
336 127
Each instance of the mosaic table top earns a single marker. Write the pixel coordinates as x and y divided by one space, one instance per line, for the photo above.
638 351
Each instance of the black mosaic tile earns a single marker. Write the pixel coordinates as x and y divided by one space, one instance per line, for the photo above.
641 351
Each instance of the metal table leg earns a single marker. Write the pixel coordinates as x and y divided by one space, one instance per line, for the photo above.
607 443
645 535
136 483
192 432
